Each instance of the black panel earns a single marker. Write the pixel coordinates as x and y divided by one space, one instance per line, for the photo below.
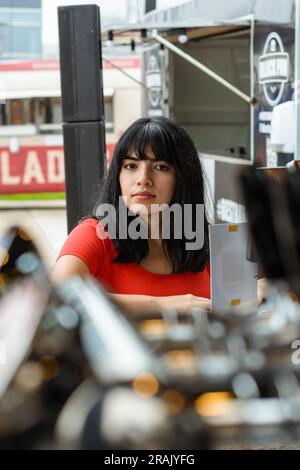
80 56
82 103
150 5
83 165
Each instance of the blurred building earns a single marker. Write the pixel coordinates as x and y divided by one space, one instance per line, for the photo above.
135 10
20 29
31 141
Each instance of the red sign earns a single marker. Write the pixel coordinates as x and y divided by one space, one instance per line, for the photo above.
26 65
35 169
122 63
35 65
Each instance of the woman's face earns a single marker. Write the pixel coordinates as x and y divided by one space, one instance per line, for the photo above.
146 182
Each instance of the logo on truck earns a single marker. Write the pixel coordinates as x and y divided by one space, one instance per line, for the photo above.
154 84
273 69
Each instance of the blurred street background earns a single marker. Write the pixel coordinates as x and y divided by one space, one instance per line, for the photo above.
50 226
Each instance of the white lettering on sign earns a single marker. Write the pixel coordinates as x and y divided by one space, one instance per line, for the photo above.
265 116
264 128
231 211
7 178
33 169
271 155
55 159
153 80
273 68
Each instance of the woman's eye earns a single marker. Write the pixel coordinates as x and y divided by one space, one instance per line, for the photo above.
129 166
162 167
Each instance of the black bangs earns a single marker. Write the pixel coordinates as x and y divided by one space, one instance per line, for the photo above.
149 134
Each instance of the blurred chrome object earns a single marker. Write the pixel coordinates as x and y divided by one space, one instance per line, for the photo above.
22 307
42 359
19 256
74 336
81 375
114 350
119 418
255 188
272 205
18 325
133 417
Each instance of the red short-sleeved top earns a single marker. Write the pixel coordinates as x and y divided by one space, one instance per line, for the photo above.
98 254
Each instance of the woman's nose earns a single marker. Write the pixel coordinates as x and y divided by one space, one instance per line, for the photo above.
144 176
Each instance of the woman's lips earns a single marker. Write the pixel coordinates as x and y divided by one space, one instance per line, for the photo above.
143 196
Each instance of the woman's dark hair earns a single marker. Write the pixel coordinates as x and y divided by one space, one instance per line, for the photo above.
171 143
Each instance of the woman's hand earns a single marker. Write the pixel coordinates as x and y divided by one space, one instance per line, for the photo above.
146 305
183 303
261 290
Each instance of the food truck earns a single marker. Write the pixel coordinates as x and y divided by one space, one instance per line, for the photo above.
229 73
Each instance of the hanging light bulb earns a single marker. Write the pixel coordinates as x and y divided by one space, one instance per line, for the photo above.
182 37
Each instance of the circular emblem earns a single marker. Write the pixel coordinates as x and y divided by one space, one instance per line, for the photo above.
153 81
273 69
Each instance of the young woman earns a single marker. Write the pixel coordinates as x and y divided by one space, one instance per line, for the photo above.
155 167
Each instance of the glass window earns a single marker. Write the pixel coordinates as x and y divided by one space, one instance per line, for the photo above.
20 33
22 40
44 113
50 116
26 39
5 39
16 112
21 4
5 17
3 114
50 111
26 17
56 110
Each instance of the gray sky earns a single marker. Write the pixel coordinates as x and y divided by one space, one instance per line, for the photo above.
111 11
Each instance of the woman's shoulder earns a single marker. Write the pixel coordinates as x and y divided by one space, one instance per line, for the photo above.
94 229
88 222
89 242
86 228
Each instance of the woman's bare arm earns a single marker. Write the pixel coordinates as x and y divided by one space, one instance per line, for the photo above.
135 305
261 289
69 265
147 305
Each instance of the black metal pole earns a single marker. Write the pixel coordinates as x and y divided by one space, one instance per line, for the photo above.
82 106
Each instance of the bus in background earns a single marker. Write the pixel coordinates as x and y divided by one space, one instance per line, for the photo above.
31 140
